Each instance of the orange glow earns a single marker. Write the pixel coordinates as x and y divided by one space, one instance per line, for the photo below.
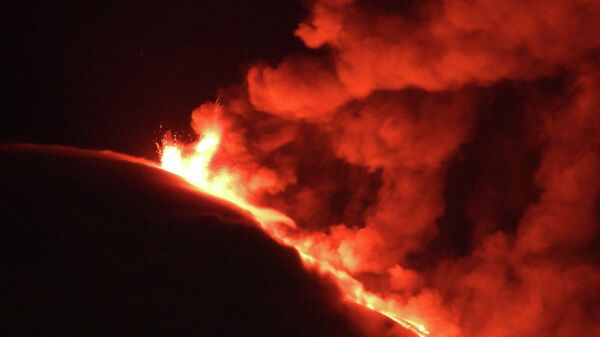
193 163
195 168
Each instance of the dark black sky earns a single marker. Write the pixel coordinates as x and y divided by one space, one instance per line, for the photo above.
107 74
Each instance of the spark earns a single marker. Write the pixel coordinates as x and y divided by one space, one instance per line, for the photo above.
195 167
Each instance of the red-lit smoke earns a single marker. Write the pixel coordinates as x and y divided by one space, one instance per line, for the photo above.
445 153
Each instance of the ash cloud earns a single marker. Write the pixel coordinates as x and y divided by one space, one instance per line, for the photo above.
444 152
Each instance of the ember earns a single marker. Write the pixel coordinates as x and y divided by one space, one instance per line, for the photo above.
195 168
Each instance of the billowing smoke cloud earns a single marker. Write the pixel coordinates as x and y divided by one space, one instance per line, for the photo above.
445 152
438 45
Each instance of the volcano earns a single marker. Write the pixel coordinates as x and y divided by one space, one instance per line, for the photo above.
102 244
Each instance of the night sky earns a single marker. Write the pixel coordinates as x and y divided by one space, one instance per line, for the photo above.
109 74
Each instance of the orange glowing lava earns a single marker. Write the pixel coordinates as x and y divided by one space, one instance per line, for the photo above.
193 163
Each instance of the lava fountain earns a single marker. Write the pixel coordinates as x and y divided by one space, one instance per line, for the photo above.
193 163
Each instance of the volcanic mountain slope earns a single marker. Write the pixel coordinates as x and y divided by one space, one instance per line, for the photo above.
100 244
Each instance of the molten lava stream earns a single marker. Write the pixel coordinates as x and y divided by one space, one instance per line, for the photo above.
223 184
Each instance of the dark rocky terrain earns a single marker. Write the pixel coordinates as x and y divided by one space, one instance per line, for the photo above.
99 244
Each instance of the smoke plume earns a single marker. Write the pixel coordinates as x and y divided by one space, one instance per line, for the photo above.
446 153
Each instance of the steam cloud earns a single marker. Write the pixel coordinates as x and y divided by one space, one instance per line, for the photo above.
445 152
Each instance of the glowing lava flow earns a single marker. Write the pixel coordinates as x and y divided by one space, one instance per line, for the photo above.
195 168
222 184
